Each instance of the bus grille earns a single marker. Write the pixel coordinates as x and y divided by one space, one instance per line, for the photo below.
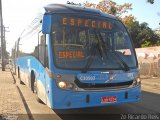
105 85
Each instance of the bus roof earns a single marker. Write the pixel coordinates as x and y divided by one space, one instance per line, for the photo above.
74 9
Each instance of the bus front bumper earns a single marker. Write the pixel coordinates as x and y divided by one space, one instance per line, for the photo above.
75 99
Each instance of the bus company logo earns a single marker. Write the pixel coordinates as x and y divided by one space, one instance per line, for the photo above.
112 77
29 62
107 81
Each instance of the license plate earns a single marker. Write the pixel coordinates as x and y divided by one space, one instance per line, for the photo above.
108 99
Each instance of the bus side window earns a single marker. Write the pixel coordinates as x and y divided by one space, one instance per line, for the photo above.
43 52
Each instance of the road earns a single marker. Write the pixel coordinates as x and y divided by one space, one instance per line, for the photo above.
147 108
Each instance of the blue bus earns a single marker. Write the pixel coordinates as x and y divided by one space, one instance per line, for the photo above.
74 57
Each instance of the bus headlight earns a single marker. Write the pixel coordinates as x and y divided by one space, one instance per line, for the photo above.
65 85
62 85
137 81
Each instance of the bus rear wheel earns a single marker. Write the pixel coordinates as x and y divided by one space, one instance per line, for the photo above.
32 81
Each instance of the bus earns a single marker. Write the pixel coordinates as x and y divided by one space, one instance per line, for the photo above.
72 56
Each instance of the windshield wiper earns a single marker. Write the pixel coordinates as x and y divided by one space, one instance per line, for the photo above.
93 53
99 44
102 48
120 61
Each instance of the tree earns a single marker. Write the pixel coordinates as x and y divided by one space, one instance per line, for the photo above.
110 7
150 1
142 35
128 20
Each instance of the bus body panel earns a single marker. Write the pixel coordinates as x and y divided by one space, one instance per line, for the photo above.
28 64
73 99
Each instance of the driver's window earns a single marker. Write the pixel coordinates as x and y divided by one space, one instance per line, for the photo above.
120 41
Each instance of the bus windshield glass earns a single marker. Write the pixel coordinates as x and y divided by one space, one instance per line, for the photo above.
91 43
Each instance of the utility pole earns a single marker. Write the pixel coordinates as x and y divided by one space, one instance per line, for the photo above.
4 42
2 38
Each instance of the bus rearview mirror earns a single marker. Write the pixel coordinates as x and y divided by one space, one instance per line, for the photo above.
46 24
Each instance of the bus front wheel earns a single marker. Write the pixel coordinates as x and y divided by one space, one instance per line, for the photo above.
19 76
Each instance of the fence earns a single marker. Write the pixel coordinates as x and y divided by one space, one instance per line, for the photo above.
149 61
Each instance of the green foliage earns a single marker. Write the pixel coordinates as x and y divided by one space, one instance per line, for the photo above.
150 1
146 44
158 43
142 35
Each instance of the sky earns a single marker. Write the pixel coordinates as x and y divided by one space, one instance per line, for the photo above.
17 14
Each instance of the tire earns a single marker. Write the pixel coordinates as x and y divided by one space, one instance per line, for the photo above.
32 81
19 76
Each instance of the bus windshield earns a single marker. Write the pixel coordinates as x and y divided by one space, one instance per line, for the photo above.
91 44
